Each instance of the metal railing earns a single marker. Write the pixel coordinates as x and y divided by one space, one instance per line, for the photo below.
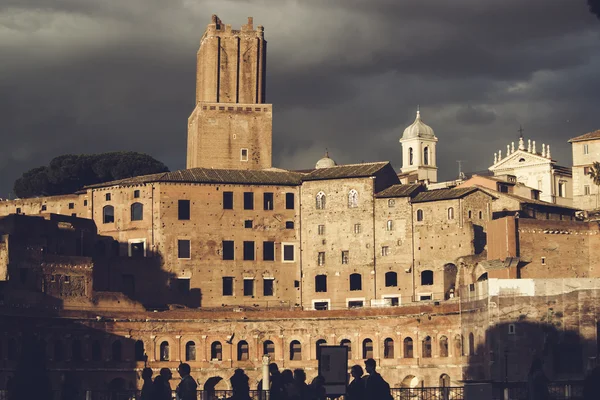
519 391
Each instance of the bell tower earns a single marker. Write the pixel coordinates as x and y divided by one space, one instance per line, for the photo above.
231 125
419 151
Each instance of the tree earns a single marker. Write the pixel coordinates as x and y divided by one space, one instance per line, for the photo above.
69 173
595 175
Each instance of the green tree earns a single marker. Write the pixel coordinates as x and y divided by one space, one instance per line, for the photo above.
69 173
595 175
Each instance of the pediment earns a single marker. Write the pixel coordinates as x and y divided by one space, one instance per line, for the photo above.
519 159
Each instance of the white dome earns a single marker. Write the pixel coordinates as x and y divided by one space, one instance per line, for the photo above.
418 129
325 162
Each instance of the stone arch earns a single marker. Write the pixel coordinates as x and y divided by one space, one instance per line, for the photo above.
164 352
409 381
269 348
243 351
348 344
321 200
216 350
443 346
445 380
388 348
295 350
318 344
215 383
367 348
190 351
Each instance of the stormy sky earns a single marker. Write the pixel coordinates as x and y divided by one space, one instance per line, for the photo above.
93 76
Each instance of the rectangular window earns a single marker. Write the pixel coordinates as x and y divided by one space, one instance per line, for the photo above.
248 287
182 285
269 251
355 303
586 170
183 209
321 258
248 224
289 201
586 189
67 279
107 197
44 208
18 210
85 203
248 201
227 200
562 189
288 253
73 214
244 155
321 305
289 224
268 286
385 251
183 248
228 250
357 228
321 230
543 260
268 201
227 286
424 297
137 248
586 149
345 256
248 251
136 194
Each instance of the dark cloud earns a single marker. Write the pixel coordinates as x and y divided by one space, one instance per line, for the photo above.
347 75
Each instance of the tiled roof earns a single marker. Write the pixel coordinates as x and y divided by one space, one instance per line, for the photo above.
209 175
563 170
522 200
345 171
400 190
443 194
587 136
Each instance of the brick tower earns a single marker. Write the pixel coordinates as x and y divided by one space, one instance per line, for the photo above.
231 126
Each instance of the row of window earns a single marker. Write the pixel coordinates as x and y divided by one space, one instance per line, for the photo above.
391 280
248 286
268 201
321 199
77 352
425 156
287 250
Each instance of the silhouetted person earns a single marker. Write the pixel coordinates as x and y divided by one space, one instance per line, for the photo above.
289 388
239 385
147 386
317 387
537 382
302 388
186 390
161 389
356 388
591 385
376 388
277 392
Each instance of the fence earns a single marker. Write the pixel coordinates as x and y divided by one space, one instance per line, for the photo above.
519 391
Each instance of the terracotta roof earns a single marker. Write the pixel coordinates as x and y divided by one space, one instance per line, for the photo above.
346 171
587 136
523 200
400 190
563 170
443 194
209 175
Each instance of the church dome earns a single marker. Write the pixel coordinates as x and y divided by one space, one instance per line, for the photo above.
418 129
325 162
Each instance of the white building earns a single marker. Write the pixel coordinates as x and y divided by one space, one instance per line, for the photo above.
537 170
418 153
586 150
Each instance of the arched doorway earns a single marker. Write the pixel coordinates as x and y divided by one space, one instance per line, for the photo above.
213 384
410 381
444 380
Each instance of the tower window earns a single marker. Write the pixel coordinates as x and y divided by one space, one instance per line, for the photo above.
321 258
183 209
345 256
419 215
390 225
321 229
268 201
244 155
227 200
385 251
410 156
357 228
248 201
321 283
136 194
352 199
451 213
355 282
289 201
320 201
391 203
426 155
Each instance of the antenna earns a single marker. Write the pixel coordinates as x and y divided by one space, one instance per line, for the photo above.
461 174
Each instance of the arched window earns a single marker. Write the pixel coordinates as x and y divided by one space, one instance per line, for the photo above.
391 279
190 351
470 214
443 346
116 350
76 354
419 215
427 347
108 214
321 283
480 214
367 349
471 344
388 348
137 212
96 351
216 351
408 347
444 380
426 155
165 353
390 225
451 213
352 198
426 277
140 352
410 156
59 351
243 351
458 346
355 282
320 343
269 348
348 344
320 201
295 351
